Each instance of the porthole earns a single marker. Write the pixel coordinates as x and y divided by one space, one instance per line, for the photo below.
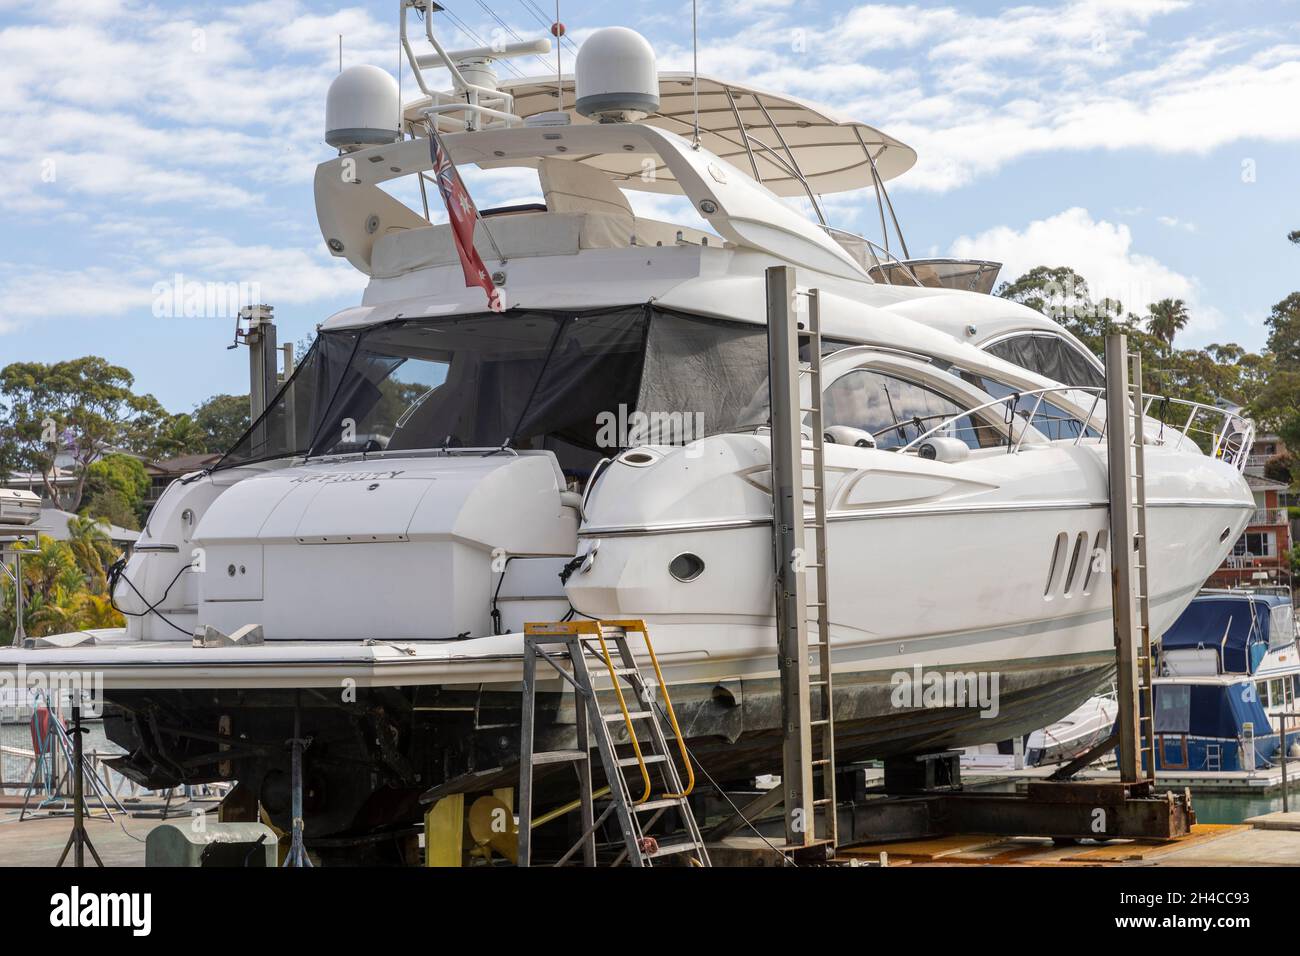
686 566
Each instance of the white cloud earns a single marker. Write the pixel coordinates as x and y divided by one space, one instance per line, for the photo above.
177 134
284 275
982 91
91 292
1100 251
281 275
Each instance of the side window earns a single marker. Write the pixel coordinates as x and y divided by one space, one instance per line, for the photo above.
1050 356
896 411
1053 421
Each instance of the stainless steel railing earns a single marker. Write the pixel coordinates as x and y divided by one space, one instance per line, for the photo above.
1219 432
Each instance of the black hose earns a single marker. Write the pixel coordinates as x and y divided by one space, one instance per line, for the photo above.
116 573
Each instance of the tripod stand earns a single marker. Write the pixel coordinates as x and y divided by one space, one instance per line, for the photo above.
78 839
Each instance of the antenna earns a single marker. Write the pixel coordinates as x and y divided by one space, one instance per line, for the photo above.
695 78
340 52
557 28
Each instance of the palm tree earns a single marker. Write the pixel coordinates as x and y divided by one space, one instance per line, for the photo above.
55 613
47 563
96 611
1166 319
92 549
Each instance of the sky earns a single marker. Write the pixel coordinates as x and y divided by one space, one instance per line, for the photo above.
1152 145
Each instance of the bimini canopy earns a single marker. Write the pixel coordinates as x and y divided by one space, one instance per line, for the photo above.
781 141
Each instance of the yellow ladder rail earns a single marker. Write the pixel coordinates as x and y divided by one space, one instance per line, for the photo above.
594 627
639 626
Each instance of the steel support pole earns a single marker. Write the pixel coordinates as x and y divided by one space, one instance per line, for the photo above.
78 794
1286 801
524 855
262 374
1119 446
297 855
78 839
20 634
788 542
290 411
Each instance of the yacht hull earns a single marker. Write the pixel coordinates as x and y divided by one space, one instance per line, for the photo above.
968 604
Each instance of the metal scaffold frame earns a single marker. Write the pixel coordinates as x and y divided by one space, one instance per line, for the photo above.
807 718
1057 806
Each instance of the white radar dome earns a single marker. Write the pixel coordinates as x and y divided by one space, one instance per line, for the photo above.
615 76
362 108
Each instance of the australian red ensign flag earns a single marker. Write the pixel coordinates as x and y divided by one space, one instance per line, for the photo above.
463 215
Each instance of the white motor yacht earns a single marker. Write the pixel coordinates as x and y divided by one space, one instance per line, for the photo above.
436 474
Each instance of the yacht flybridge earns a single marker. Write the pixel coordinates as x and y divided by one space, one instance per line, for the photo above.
436 474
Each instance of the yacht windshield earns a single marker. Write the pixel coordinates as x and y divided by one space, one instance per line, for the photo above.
582 385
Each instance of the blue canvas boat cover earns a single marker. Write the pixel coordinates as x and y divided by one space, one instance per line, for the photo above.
1209 710
1237 625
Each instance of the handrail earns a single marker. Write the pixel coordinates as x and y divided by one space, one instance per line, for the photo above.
475 96
1014 398
1228 443
1230 439
881 256
627 717
639 625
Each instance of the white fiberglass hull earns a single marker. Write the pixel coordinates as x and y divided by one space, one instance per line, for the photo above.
995 570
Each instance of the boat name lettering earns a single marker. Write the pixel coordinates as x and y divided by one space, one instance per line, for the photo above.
342 479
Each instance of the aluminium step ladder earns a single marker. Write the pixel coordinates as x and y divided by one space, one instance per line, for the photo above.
1145 662
580 652
821 697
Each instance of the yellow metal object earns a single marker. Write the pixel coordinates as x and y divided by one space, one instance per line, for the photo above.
596 629
560 811
639 626
492 825
627 717
444 832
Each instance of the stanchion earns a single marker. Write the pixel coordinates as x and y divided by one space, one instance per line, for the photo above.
297 855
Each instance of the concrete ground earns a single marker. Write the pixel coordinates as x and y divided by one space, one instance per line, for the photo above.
39 839
1263 841
1271 840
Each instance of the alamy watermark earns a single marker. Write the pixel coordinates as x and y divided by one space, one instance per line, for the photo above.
22 689
933 689
178 298
624 428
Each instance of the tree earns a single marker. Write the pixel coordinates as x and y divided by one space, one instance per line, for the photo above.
116 488
1051 290
1278 468
1277 405
1166 319
121 473
1062 294
111 506
64 584
92 549
1217 372
77 409
223 419
176 435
